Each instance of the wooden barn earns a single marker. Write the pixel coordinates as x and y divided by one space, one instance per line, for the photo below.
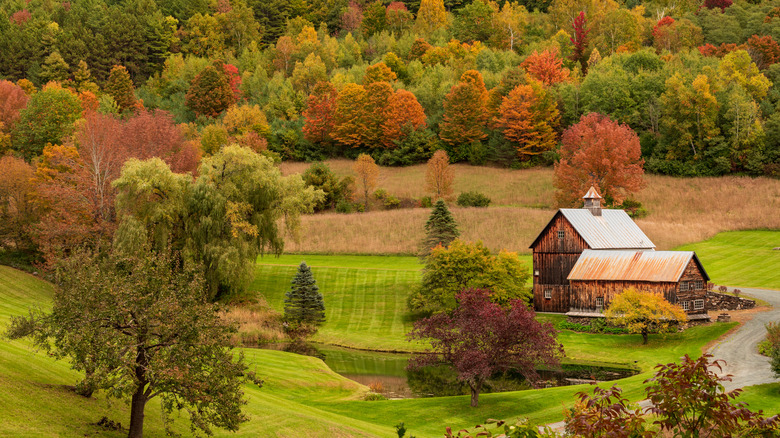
607 236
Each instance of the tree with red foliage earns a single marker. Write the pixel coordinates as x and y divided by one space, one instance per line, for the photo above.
722 4
352 17
546 67
764 50
689 397
480 338
234 80
319 114
20 17
210 92
602 153
12 100
17 211
720 51
580 41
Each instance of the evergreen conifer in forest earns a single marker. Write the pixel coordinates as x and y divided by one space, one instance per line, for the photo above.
120 87
441 228
303 303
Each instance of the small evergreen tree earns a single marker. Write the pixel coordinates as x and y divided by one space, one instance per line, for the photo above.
303 304
120 87
441 229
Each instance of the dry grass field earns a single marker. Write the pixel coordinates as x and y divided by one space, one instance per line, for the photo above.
680 210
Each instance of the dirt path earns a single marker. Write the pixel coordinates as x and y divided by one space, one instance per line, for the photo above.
739 348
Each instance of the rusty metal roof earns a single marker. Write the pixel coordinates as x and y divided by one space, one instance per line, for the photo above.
654 266
614 229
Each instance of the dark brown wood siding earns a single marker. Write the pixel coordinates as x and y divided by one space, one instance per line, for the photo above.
553 259
693 277
585 292
558 301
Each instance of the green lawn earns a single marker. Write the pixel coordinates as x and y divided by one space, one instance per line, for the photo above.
741 258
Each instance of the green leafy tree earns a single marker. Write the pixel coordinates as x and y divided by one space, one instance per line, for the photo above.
120 87
440 229
643 312
303 303
474 22
54 68
320 176
223 220
374 19
48 118
468 265
141 328
210 92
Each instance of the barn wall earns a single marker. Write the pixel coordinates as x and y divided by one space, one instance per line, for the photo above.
558 302
691 274
585 292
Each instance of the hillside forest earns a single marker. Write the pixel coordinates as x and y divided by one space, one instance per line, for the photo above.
490 82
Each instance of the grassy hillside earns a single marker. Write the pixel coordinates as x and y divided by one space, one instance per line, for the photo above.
681 211
741 258
301 396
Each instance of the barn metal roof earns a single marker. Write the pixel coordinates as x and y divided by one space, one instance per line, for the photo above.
614 229
653 266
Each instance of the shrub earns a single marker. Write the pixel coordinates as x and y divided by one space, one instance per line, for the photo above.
372 396
380 194
597 326
391 202
473 199
426 202
723 289
344 206
737 292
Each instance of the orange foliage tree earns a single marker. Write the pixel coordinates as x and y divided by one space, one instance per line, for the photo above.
378 72
367 173
12 100
528 117
17 212
403 115
546 67
349 124
465 112
600 152
439 176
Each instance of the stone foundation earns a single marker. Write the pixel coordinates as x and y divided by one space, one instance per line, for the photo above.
718 301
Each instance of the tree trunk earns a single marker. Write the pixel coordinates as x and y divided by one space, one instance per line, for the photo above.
644 336
475 388
137 413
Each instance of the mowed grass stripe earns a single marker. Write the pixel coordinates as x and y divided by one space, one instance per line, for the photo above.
741 258
364 308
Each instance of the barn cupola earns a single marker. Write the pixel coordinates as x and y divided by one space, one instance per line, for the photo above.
593 201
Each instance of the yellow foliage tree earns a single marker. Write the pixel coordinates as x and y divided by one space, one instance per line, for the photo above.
439 175
431 16
367 173
643 312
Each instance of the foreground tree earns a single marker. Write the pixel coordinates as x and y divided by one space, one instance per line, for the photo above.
304 308
440 229
598 152
605 414
480 338
464 265
689 397
643 312
140 327
439 175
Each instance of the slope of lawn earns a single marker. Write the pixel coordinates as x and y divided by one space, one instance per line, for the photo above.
365 296
741 258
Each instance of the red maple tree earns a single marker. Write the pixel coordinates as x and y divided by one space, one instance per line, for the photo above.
319 114
580 41
546 67
598 152
480 338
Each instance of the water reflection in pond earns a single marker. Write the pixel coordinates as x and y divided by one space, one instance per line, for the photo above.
386 373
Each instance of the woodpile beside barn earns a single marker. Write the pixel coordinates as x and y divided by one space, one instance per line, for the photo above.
584 257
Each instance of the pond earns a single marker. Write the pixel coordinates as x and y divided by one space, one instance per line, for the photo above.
386 373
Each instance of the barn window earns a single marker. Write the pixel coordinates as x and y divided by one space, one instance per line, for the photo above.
599 302
686 305
547 294
683 286
698 304
699 284
561 234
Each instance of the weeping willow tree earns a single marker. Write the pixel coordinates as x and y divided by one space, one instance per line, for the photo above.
239 206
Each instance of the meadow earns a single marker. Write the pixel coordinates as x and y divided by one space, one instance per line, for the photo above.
681 211
300 396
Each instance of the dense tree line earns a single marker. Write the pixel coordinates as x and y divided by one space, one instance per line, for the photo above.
488 81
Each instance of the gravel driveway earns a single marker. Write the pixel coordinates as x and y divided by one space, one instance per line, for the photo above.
739 349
